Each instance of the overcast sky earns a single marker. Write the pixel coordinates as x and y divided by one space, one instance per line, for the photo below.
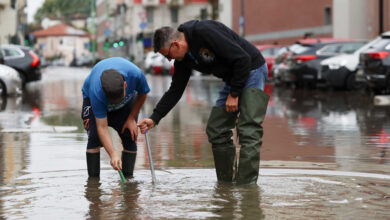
32 7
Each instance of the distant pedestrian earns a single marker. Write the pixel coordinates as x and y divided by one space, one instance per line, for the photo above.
211 47
113 94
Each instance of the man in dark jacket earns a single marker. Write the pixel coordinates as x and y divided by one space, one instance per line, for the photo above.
211 47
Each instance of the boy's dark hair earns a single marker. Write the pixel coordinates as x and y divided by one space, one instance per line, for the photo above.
113 85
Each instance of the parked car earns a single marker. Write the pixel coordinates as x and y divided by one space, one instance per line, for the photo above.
10 82
24 60
375 64
341 70
83 60
279 69
156 63
304 66
269 52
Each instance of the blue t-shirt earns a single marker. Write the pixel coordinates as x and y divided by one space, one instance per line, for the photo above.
92 87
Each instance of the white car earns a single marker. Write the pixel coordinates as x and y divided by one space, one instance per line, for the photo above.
156 63
10 82
341 69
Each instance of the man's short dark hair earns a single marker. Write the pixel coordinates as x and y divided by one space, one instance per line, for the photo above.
113 85
163 36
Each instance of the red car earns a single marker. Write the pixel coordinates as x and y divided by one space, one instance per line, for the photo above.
269 52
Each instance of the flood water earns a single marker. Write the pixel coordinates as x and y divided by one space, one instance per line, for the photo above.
325 155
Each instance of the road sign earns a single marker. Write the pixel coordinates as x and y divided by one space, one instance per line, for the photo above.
143 25
107 32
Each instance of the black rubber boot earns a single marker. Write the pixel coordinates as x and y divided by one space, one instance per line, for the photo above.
128 162
93 164
253 106
219 131
224 158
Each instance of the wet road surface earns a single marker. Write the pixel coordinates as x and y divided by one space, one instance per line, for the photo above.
325 156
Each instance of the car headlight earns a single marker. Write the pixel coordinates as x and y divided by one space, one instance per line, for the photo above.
334 66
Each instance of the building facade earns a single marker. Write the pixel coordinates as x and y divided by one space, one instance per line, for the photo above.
282 21
62 41
134 21
13 21
285 21
363 19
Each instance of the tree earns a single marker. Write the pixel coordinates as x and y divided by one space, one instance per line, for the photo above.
62 9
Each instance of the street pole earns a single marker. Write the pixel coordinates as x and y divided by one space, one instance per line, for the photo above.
242 20
107 20
93 30
380 17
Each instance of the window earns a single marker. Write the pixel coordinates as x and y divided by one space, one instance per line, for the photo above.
329 50
149 15
350 47
174 15
203 14
267 52
327 16
12 53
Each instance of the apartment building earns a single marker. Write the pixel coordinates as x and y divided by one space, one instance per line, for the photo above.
13 21
134 21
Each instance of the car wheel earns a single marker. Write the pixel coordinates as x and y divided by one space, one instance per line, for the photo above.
23 79
3 89
351 84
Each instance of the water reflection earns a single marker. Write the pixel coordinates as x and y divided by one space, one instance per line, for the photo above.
237 202
112 202
328 126
43 172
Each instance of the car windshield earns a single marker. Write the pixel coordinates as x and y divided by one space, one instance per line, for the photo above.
381 44
299 48
349 48
267 52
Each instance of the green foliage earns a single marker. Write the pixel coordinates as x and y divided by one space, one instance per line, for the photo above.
63 9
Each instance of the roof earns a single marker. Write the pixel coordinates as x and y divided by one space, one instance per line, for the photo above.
60 30
323 40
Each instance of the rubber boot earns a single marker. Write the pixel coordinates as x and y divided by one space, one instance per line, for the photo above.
253 106
93 164
219 132
128 162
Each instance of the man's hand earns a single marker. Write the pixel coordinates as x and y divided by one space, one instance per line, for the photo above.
231 104
145 124
116 161
132 126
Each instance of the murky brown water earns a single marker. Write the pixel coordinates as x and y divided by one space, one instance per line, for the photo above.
325 156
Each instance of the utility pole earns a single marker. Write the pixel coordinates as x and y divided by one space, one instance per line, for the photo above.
241 21
107 20
93 30
380 17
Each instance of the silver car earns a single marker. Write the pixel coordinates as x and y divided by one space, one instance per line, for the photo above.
10 82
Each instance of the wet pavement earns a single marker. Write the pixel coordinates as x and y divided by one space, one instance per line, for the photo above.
325 155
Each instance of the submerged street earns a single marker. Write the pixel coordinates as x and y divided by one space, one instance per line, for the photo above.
323 149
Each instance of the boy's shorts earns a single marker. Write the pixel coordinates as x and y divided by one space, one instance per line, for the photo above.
116 120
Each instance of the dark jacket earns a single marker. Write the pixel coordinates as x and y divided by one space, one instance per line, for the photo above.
213 48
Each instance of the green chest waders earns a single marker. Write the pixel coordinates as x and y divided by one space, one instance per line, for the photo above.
253 106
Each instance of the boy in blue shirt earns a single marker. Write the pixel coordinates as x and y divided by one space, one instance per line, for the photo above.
113 94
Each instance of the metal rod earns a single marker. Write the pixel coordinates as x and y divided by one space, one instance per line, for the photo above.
150 157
